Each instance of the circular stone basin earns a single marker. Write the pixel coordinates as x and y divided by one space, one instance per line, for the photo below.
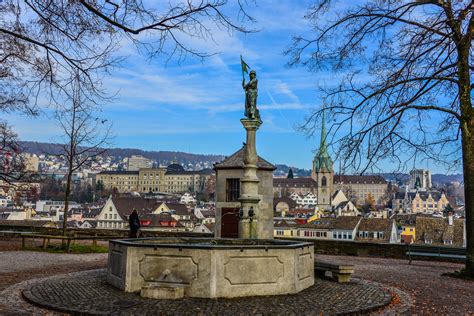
211 267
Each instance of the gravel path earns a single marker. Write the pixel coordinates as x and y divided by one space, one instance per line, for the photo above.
15 261
431 292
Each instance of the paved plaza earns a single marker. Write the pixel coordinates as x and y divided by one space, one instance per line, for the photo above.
88 292
420 285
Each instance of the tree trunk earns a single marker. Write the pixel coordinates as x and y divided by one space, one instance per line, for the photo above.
468 168
66 198
467 142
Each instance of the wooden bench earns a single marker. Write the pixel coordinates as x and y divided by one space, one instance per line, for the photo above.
340 272
67 239
435 251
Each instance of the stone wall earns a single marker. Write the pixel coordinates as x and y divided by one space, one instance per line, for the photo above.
364 249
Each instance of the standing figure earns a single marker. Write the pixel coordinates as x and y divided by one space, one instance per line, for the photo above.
134 224
251 93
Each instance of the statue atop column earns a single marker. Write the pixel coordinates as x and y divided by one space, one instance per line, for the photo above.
251 92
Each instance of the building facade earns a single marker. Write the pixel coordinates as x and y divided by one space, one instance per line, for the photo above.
420 202
357 188
122 181
420 179
172 179
136 163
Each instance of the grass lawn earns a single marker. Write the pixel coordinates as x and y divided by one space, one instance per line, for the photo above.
76 248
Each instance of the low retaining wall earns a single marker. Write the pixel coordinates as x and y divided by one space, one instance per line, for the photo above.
97 232
365 249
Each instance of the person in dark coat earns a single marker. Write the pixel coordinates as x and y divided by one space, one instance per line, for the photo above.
134 224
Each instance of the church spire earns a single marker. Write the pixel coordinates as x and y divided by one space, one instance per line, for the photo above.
322 160
323 148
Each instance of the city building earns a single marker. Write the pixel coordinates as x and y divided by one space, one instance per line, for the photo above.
380 230
440 231
31 162
115 213
341 206
283 187
172 179
121 181
420 179
406 224
136 163
358 187
285 227
187 198
283 206
420 202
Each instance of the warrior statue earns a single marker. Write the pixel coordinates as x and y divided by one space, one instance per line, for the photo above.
251 92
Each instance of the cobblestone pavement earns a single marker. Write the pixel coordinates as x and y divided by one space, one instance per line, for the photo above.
88 292
431 292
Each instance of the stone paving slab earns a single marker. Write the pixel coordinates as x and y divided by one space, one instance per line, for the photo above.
88 292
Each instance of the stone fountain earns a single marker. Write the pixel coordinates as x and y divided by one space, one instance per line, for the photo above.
252 264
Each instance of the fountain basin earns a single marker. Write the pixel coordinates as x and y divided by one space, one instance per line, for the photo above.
212 267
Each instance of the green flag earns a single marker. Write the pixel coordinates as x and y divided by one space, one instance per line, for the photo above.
245 67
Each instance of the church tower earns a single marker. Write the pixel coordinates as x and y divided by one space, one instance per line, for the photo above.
323 172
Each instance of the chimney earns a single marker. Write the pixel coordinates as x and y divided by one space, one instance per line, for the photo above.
450 218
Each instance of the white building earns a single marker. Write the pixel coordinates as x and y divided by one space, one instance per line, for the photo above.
3 201
136 163
187 198
420 179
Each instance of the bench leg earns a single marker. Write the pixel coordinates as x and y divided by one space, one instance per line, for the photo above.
320 273
23 242
68 246
44 243
341 278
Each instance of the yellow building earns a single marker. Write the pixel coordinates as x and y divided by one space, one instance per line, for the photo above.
285 228
406 225
172 179
122 181
420 201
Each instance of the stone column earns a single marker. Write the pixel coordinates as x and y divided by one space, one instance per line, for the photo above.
249 196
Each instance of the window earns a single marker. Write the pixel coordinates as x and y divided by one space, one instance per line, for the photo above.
323 181
349 236
115 216
232 190
334 235
105 216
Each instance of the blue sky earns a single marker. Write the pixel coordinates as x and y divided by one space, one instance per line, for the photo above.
195 106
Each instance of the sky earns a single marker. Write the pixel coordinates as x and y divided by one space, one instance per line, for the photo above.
195 106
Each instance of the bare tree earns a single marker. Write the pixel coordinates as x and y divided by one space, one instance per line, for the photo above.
44 43
403 84
86 136
12 163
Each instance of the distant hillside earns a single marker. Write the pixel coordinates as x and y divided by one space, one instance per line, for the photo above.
159 156
282 170
165 157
